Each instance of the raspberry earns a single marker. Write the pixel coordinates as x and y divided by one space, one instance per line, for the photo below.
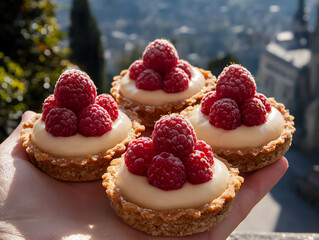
176 80
61 122
253 112
198 168
139 155
225 114
160 55
237 83
149 80
48 104
184 65
174 134
94 121
264 100
166 172
107 102
208 100
135 69
206 149
74 90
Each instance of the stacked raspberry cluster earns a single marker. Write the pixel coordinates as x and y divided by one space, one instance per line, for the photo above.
172 157
76 108
235 101
161 68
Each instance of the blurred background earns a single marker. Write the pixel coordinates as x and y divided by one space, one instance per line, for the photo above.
277 40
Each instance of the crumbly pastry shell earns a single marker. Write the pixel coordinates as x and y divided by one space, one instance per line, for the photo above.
84 168
178 222
150 114
251 159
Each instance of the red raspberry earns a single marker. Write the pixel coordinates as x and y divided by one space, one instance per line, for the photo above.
184 65
237 83
264 100
253 112
149 80
61 122
208 100
48 104
174 134
198 168
225 114
176 80
74 90
94 121
160 55
206 149
166 172
107 102
135 69
139 155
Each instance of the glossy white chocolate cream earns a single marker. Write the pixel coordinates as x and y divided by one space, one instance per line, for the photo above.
136 189
241 137
159 97
79 145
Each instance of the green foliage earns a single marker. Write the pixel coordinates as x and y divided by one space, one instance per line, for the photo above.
31 55
85 42
12 90
217 65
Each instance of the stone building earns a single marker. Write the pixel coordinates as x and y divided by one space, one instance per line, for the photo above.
289 71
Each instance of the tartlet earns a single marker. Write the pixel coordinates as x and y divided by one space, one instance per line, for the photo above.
252 158
251 130
178 222
153 211
151 112
79 168
78 132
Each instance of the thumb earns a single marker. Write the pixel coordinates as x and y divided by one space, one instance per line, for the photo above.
27 116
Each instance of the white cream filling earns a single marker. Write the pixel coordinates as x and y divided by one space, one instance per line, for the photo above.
136 189
79 145
159 97
240 137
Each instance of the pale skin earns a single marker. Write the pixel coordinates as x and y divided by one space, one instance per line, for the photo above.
35 206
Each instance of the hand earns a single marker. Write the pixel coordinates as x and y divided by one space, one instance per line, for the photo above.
35 206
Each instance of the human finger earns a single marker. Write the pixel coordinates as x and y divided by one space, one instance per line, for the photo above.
255 187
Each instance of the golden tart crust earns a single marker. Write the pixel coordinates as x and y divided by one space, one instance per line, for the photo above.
86 168
250 159
150 114
178 222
